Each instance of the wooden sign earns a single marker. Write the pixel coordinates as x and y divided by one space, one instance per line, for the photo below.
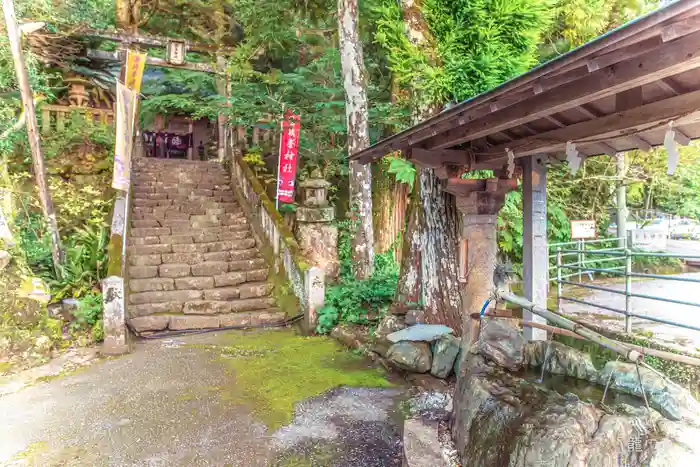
176 52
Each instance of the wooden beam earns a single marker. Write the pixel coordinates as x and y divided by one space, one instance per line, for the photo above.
684 108
154 61
641 143
628 99
618 55
151 40
434 159
669 85
668 60
680 28
588 111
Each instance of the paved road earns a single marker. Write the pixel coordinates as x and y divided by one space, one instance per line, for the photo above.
162 406
683 314
684 247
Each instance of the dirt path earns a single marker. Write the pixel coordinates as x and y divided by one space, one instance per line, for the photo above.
190 402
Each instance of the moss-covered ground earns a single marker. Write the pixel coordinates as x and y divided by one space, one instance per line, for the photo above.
276 369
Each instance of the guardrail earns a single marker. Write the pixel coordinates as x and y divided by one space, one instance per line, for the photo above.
280 247
624 256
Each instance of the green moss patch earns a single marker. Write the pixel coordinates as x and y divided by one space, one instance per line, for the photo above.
276 369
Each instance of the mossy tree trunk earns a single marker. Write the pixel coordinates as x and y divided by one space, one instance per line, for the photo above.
354 78
439 223
389 202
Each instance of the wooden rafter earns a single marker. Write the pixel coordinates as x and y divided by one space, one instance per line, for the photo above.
118 57
667 60
619 124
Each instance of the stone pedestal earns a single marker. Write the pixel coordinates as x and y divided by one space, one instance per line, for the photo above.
116 340
479 202
315 232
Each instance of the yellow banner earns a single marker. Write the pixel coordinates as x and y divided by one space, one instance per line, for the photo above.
135 63
126 115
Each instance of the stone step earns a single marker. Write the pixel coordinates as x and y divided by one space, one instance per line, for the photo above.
192 229
150 185
190 222
145 164
166 277
193 258
196 247
179 199
254 264
201 307
222 294
199 206
265 317
225 279
185 244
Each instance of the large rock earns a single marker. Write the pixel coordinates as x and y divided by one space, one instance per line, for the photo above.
445 351
500 341
421 445
501 420
674 402
388 325
411 356
351 335
560 359
420 332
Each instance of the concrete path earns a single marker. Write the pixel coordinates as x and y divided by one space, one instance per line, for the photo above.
162 406
678 290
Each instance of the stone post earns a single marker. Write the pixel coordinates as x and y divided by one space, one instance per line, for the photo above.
315 232
479 202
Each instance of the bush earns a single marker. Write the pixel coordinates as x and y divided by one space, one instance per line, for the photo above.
353 300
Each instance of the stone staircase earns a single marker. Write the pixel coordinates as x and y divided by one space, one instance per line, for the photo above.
193 262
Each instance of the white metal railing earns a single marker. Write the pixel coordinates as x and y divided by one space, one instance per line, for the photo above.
623 255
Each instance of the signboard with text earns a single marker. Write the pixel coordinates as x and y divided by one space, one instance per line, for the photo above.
583 229
289 151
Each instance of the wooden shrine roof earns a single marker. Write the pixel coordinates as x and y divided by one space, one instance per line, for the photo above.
616 93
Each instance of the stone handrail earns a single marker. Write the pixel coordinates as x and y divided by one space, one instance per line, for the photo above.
279 245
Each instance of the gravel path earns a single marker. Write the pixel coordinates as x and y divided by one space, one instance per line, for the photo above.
166 405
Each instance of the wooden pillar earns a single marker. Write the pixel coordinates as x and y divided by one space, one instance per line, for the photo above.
221 86
190 149
27 97
535 249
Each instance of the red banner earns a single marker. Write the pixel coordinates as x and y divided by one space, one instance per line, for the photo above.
289 151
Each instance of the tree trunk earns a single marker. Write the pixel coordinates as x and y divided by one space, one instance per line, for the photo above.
353 68
389 203
408 292
25 90
438 284
442 298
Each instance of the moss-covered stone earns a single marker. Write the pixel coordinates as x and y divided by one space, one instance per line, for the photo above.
275 370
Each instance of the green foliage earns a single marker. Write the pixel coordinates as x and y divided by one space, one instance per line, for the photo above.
353 300
403 170
88 316
85 264
579 21
478 45
178 92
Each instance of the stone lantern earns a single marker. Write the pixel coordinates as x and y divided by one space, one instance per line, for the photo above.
317 236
